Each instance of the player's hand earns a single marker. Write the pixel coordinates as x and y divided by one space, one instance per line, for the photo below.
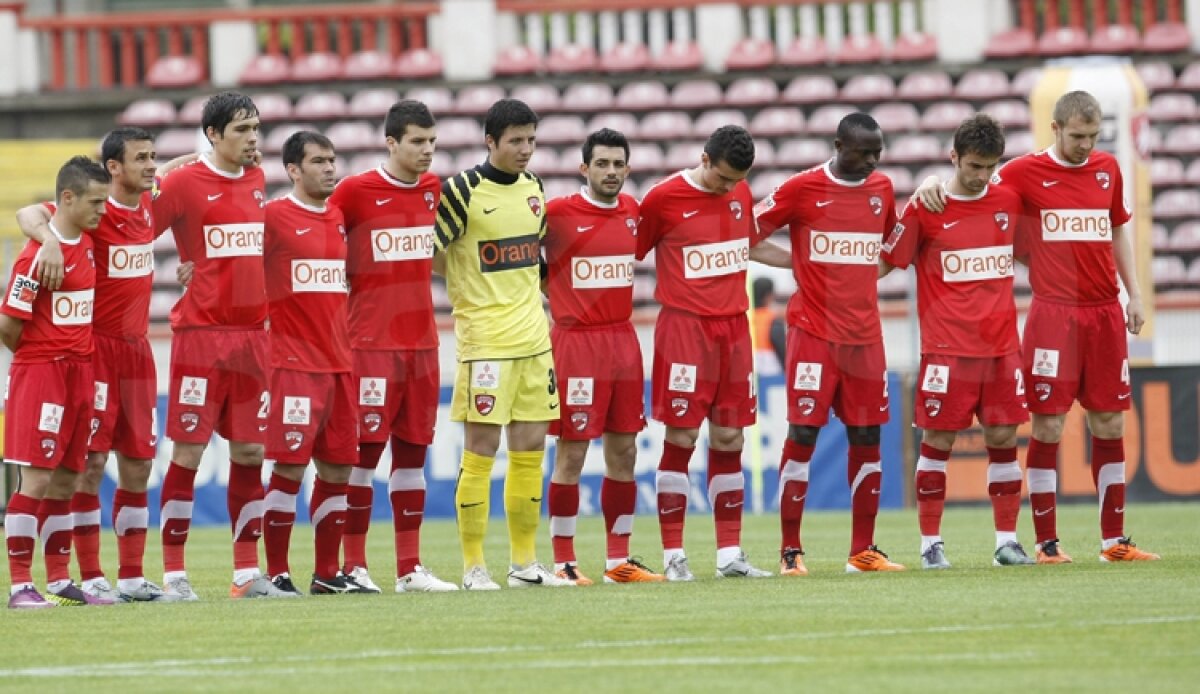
48 264
1135 317
258 157
183 273
931 195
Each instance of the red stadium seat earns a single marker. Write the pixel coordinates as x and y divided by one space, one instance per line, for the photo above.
459 132
824 120
779 121
624 58
273 142
1186 237
980 84
561 129
368 65
1177 203
173 142
571 59
1190 78
547 162
1115 38
1182 139
868 88
678 56
902 179
696 94
276 173
750 54
560 187
353 135
1193 275
476 99
1193 172
419 64
1016 43
751 91
945 115
316 67
707 122
1063 41
542 98
763 184
1161 239
321 105
470 158
643 96
914 149
924 85
1166 171
665 125
1172 107
369 160
439 100
372 103
764 154
897 117
1166 38
443 165
517 60
175 72
810 89
683 155
273 107
646 156
801 154
1010 112
266 69
192 110
1156 75
148 113
1168 271
584 97
914 47
1017 142
805 52
858 50
1024 81
624 123
944 172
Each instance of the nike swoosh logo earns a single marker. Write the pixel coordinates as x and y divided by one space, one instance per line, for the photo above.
1123 397
798 499
930 491
489 210
665 511
340 521
875 492
214 197
120 225
583 229
70 268
383 201
554 406
729 505
1047 184
1043 512
948 225
478 503
883 409
262 427
1119 510
302 232
67 550
17 553
179 533
536 500
689 215
532 581
256 533
823 203
413 513
273 524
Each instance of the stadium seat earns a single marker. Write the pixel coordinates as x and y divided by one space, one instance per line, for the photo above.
1168 271
352 136
1018 142
476 99
868 88
914 149
624 123
803 153
542 98
444 164
273 107
1182 139
470 158
765 183
148 113
275 173
1166 37
584 97
625 58
750 54
266 69
643 96
1024 81
665 125
571 59
944 172
1172 107
1166 171
173 142
1063 41
778 121
824 120
1156 75
925 85
367 65
810 89
459 132
1015 43
1010 112
558 187
805 52
751 91
914 47
1177 203
277 135
316 67
1189 79
856 50
683 155
561 129
547 162
1116 39
175 72
945 115
373 103
1160 238
707 122
418 64
1193 275
646 157
1153 139
366 161
902 178
1185 237
440 100
696 94
764 154
515 61
981 84
321 106
897 117
678 56
192 110
1193 172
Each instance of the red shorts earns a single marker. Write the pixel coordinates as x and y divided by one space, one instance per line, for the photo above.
852 379
952 391
397 394
1076 352
601 384
125 417
703 368
218 382
313 415
48 414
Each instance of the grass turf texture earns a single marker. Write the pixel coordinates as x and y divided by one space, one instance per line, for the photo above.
1081 627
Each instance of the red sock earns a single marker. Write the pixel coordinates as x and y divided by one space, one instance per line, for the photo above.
130 517
671 486
359 498
931 489
175 514
726 495
563 509
1004 487
406 488
1108 472
793 490
618 501
278 519
1041 465
55 526
863 475
85 513
245 499
327 511
21 536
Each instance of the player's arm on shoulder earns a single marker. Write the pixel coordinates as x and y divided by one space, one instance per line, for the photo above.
772 254
930 194
452 220
34 223
177 162
900 245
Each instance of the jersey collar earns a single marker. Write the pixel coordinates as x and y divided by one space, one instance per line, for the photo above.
828 169
304 206
496 175
583 192
1065 164
964 198
57 235
383 173
213 167
117 204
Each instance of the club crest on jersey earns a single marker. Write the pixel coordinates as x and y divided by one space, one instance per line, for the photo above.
484 404
91 258
735 208
579 420
806 405
683 378
1042 390
579 391
430 202
1002 220
95 428
933 407
535 205
189 421
1103 179
260 198
876 204
342 231
679 406
48 447
632 226
372 421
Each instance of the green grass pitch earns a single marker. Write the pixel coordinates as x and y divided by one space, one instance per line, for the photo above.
1083 627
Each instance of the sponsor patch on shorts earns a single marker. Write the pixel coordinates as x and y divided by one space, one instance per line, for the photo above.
808 376
1045 362
297 410
193 391
372 391
485 374
579 391
936 379
683 378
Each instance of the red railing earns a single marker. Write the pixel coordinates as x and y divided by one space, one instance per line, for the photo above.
122 47
1042 17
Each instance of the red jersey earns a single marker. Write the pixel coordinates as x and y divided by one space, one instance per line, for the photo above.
836 228
390 228
1072 211
217 219
964 259
589 247
57 324
124 268
701 243
305 268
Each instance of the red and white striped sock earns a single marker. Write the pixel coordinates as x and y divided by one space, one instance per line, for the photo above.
406 489
245 500
130 516
278 519
327 511
85 512
175 515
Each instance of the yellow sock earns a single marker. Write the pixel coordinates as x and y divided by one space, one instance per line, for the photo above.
471 502
523 503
